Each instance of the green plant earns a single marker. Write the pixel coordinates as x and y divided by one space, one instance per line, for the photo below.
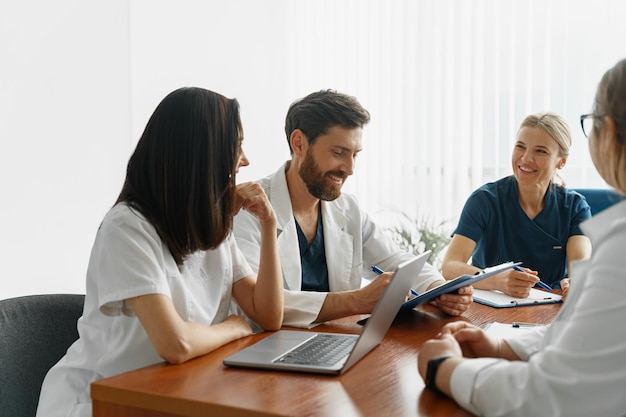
421 234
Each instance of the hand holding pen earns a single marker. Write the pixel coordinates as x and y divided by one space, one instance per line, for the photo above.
379 271
516 282
538 283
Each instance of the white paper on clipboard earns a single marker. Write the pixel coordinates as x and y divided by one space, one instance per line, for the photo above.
497 299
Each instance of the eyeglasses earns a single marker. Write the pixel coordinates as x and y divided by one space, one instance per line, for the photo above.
586 122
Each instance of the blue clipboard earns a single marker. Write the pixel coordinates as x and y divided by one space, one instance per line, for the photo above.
455 284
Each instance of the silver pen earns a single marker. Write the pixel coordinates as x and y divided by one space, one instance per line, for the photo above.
522 324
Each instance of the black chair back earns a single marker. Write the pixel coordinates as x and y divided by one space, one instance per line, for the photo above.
35 332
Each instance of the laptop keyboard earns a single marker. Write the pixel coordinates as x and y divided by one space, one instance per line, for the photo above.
322 350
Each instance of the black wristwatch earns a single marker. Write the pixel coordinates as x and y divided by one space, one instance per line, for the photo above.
431 372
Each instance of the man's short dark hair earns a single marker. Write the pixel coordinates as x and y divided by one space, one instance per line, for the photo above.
316 113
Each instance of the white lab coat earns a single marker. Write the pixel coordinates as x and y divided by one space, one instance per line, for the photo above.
129 259
352 241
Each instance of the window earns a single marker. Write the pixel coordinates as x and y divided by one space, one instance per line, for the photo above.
448 83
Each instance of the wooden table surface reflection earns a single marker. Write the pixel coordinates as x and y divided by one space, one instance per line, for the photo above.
384 383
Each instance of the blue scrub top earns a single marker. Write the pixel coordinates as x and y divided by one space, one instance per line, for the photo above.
493 218
313 259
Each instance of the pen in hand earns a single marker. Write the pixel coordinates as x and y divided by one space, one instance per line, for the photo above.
380 272
539 283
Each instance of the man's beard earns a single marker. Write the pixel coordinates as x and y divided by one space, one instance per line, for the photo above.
314 180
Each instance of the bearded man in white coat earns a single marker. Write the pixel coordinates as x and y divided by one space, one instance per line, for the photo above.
327 244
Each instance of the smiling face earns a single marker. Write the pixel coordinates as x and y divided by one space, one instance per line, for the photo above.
536 157
329 161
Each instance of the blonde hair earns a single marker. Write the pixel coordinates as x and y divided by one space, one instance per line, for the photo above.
555 126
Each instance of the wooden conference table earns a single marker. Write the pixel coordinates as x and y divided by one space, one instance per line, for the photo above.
384 383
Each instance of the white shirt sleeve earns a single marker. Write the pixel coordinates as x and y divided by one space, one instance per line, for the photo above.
241 268
128 254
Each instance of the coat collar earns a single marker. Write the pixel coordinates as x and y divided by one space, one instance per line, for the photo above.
597 227
338 254
279 197
281 201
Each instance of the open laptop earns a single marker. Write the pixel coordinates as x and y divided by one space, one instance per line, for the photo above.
280 351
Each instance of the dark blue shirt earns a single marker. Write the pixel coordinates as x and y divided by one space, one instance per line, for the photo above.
493 218
313 259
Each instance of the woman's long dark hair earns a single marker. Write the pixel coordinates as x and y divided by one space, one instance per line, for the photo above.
181 176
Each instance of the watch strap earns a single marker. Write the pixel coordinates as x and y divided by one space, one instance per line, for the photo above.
431 372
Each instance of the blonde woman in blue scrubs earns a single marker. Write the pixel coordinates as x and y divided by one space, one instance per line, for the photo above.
528 217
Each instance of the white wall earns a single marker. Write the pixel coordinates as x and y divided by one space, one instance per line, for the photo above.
232 47
64 129
78 81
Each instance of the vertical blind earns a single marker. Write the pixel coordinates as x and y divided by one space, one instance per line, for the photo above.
448 82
